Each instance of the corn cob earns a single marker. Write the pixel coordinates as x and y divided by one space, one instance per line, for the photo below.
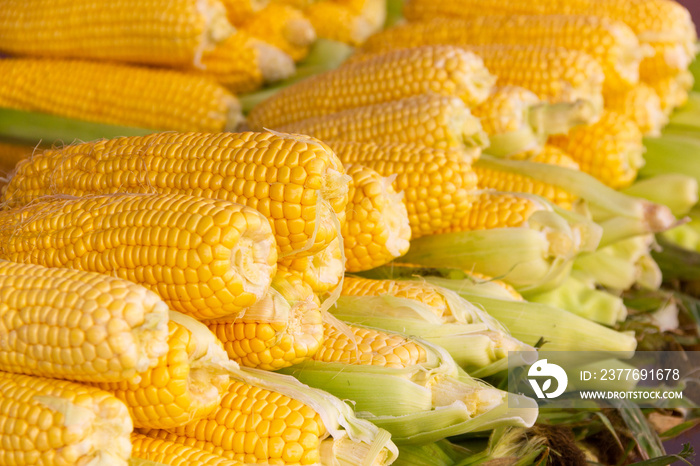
642 105
205 257
322 271
174 454
668 59
376 229
56 422
673 91
239 11
335 21
429 119
243 63
610 150
554 74
443 70
374 11
435 182
283 329
490 209
270 418
489 178
75 325
118 94
187 383
162 32
284 27
651 20
516 120
611 43
420 380
295 182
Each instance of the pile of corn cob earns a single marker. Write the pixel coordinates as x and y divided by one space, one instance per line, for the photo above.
383 227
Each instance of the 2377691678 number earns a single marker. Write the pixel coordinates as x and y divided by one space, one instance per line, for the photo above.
640 374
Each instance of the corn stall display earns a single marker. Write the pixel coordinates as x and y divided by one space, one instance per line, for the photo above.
322 232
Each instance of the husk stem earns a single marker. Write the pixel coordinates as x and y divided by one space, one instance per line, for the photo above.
583 299
560 329
513 443
677 191
620 215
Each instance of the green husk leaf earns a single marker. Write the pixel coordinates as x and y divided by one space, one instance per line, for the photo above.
33 127
671 154
648 442
677 191
687 453
440 453
583 299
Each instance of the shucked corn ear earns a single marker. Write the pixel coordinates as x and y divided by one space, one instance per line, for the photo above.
416 380
435 182
269 418
118 94
174 454
322 271
376 229
442 70
516 120
652 21
49 421
432 120
284 27
75 325
610 149
282 329
294 181
612 43
642 105
243 63
334 21
554 74
204 257
162 32
187 383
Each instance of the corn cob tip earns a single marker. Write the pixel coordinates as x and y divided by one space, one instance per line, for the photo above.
218 26
234 114
299 32
274 64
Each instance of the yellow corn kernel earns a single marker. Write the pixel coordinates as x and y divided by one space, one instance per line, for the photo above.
204 257
504 181
673 91
428 119
239 11
294 181
642 105
373 11
422 292
255 425
435 182
612 44
187 383
610 150
369 347
505 110
443 70
376 229
493 209
118 94
284 27
75 325
335 21
162 32
242 63
283 329
322 271
668 59
49 421
174 454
